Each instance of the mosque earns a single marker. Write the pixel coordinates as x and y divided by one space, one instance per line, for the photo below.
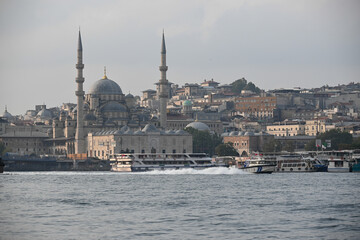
103 121
105 110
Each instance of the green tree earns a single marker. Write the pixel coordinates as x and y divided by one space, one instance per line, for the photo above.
310 146
272 146
250 86
242 84
289 146
356 143
339 140
226 149
3 149
203 141
238 85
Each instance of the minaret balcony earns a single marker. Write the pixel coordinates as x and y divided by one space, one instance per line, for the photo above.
163 68
79 66
79 93
80 79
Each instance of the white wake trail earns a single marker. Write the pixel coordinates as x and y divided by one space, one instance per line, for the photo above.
191 171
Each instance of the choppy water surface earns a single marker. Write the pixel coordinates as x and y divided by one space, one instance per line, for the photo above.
185 204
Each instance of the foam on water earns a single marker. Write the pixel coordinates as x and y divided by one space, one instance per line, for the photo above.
184 171
192 171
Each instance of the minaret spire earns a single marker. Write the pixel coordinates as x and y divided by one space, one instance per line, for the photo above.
79 136
163 85
163 48
105 77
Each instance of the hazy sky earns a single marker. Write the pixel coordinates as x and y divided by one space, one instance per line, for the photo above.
273 43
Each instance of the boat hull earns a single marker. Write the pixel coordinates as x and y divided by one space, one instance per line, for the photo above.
259 169
338 170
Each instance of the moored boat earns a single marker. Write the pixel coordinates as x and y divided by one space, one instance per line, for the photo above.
258 164
1 165
355 164
295 163
141 162
338 165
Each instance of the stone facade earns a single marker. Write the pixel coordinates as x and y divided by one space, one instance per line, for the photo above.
248 142
260 107
148 140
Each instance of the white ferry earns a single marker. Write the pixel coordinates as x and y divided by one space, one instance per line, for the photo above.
295 163
141 162
258 164
338 161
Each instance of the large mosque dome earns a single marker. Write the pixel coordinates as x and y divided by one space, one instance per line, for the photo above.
105 86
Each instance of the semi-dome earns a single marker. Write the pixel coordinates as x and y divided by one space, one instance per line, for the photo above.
114 107
241 133
125 128
199 126
225 134
129 96
180 132
89 117
150 128
105 86
45 114
249 134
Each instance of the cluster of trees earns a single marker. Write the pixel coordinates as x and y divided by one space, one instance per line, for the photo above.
203 141
3 149
226 149
277 146
243 84
211 144
339 141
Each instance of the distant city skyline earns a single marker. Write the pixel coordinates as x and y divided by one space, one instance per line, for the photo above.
274 44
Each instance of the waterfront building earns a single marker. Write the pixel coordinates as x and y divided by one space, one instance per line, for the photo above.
26 140
148 140
247 142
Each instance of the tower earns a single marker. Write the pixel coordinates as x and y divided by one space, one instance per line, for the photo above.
163 85
79 136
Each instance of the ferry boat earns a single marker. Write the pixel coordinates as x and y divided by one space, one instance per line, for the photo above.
355 166
258 164
295 163
142 162
338 161
1 165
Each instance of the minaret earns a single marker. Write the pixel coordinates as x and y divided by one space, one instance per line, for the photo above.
163 85
79 136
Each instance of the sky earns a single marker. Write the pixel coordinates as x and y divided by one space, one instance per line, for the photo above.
272 43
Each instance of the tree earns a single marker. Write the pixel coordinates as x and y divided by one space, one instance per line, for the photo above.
289 146
250 86
203 141
238 85
272 146
3 149
339 140
242 84
226 149
356 143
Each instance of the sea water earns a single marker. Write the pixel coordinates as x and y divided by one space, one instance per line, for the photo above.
216 203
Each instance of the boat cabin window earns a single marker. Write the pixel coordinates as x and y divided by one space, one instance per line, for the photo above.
339 164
